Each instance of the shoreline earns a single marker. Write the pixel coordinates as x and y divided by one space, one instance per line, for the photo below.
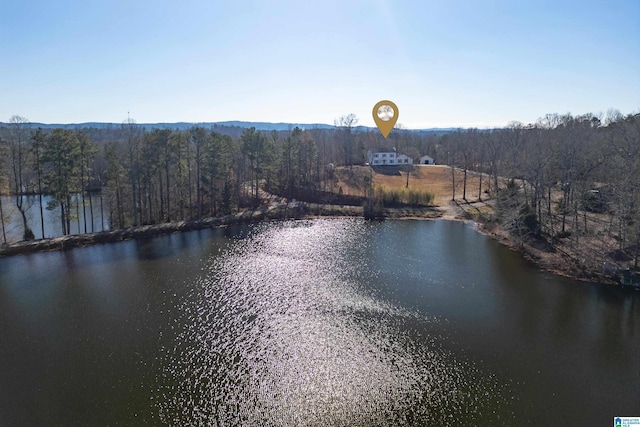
310 211
556 263
138 232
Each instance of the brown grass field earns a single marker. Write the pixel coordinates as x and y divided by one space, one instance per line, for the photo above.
435 179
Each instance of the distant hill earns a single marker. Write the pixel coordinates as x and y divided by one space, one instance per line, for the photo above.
263 126
272 126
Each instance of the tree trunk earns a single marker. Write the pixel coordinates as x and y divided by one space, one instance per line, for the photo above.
464 184
168 187
84 211
4 234
62 219
198 182
119 205
25 225
91 211
453 183
161 188
189 180
212 199
24 221
40 202
101 210
549 212
256 174
150 202
134 200
635 263
68 216
78 213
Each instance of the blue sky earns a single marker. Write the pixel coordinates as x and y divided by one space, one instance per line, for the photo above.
444 63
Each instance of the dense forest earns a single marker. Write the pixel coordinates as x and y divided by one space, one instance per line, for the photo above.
565 177
161 175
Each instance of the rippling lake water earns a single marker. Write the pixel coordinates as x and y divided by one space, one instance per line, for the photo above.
322 322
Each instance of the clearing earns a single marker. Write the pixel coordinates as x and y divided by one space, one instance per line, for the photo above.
434 179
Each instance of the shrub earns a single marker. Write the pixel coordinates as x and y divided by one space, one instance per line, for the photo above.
529 219
394 197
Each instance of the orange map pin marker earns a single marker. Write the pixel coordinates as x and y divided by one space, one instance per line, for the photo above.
385 114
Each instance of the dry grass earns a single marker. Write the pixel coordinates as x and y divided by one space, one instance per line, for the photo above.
435 179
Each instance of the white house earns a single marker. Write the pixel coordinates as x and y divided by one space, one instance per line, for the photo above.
386 157
402 159
426 160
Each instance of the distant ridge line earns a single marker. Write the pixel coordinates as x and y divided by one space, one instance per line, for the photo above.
262 126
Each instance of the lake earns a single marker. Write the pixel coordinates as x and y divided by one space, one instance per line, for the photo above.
314 323
14 230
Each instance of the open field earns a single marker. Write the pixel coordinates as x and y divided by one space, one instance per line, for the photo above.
429 178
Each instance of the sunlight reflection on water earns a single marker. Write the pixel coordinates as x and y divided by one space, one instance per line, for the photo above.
283 330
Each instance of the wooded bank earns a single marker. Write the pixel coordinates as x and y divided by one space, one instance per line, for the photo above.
570 181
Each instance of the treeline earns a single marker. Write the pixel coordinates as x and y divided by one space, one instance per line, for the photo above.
59 164
565 179
153 176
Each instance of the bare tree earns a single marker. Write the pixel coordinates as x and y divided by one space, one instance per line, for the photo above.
133 146
467 148
2 218
198 138
452 145
38 141
18 152
495 156
345 126
479 158
624 168
88 151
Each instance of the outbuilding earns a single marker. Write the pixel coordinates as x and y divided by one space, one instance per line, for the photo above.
426 160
